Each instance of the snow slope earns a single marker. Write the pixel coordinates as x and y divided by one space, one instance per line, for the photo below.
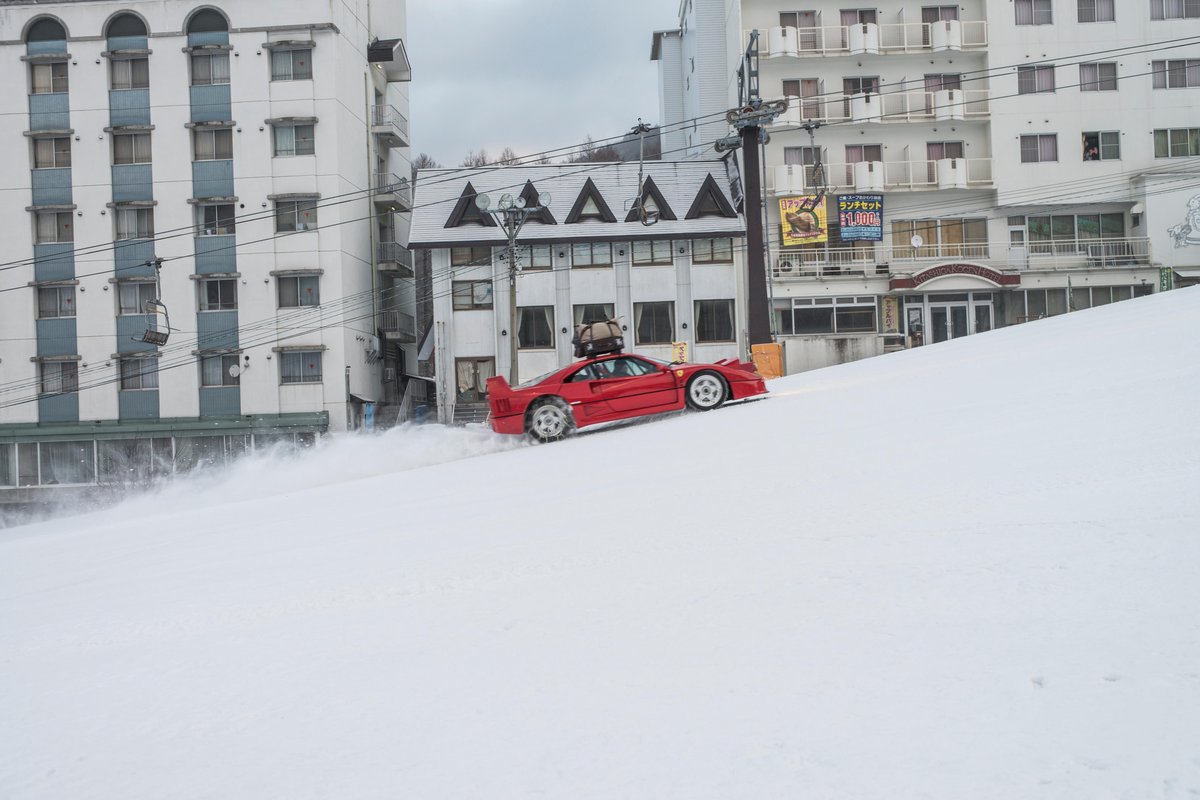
963 571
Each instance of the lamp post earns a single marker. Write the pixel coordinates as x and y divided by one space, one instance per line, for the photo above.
511 214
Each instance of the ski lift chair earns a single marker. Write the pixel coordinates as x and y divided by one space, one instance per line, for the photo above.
158 324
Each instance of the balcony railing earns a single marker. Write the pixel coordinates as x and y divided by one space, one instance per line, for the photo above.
390 124
883 260
399 324
872 39
393 255
390 188
944 105
878 176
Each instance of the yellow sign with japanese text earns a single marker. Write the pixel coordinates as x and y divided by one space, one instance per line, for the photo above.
679 352
803 220
891 314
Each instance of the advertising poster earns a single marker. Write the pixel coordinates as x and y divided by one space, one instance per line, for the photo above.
891 314
860 217
679 352
801 223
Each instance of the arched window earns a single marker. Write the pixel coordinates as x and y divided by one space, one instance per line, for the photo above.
125 25
46 30
207 21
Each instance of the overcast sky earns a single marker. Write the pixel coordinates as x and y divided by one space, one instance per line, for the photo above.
532 75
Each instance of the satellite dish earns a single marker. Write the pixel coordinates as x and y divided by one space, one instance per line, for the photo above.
234 370
506 202
483 202
519 202
916 241
544 199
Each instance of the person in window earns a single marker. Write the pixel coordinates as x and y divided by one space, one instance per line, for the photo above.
620 369
1092 153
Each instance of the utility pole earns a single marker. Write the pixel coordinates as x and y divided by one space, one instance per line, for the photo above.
749 118
511 215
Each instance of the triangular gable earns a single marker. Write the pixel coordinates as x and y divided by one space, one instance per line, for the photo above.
530 196
710 202
466 212
653 200
590 205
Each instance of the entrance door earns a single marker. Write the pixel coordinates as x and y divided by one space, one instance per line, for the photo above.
947 321
1017 254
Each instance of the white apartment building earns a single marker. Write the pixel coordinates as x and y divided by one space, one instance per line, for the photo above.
1031 157
587 256
257 153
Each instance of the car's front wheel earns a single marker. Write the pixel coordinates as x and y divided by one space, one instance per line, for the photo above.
550 420
706 391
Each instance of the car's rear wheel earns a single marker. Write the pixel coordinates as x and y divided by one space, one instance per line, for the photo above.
706 391
550 420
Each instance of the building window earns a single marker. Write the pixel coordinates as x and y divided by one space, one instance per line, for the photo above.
1182 74
712 251
808 316
653 252
1032 80
139 373
216 371
295 215
215 220
210 69
130 73
51 153
535 327
218 294
294 140
291 65
296 291
1034 12
470 376
58 377
1096 10
131 148
1099 77
534 257
134 223
1174 9
132 297
1070 233
470 256
1036 148
53 226
1176 142
1101 146
591 254
213 145
585 313
55 301
714 321
654 323
300 366
472 295
48 78
941 238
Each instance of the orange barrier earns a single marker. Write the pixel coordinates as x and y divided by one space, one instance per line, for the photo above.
768 359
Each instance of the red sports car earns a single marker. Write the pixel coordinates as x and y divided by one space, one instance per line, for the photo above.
613 387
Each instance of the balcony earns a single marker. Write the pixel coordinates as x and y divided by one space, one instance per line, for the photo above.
128 107
212 178
880 176
217 330
51 187
392 190
54 261
392 256
56 337
49 112
134 258
389 125
130 328
216 254
211 103
220 401
132 182
58 408
137 404
945 105
872 39
398 326
881 260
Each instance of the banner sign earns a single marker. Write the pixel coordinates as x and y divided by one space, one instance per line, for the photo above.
891 313
1166 279
679 352
860 217
801 222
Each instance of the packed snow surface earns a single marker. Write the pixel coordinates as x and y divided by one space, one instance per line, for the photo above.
963 571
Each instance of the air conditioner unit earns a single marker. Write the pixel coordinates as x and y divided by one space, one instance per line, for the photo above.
785 266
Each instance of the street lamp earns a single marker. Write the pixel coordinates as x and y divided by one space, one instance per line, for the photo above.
511 213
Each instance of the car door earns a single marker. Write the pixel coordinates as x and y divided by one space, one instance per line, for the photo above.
630 384
582 391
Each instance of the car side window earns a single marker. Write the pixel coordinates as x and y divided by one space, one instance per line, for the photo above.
639 367
585 374
623 367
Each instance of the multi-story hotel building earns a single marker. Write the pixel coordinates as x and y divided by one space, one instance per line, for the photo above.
1031 157
587 256
234 172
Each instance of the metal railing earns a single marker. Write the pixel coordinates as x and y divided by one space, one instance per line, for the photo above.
883 260
388 186
872 38
385 116
394 253
943 105
399 322
878 176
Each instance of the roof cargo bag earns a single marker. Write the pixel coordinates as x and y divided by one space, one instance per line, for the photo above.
598 338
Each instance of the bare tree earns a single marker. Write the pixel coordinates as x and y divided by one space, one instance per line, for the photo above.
473 159
507 157
590 152
423 161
